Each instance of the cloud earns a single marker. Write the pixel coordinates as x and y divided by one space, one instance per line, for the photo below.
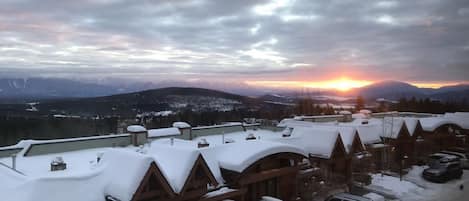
244 39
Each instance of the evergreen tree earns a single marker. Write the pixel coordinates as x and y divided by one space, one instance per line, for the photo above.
360 103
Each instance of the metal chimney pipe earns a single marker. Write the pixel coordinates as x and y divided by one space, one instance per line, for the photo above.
13 161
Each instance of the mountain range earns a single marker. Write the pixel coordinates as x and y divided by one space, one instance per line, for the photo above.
395 90
32 89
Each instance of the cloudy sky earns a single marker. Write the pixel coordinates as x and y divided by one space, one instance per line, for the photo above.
263 42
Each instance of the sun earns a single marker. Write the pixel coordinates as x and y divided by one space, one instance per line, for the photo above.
342 84
345 84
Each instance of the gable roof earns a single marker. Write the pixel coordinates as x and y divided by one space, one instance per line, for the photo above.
145 187
199 164
369 134
239 156
392 127
175 162
411 123
314 140
432 123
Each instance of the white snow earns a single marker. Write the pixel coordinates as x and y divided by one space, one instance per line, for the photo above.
163 132
181 125
175 162
238 156
314 141
218 192
392 127
415 188
393 185
136 128
431 123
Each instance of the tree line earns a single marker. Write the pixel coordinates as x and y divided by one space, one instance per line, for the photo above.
427 105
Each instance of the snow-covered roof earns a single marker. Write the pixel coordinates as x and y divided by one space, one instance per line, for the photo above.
411 123
175 162
118 174
124 171
370 133
347 132
10 177
460 118
432 123
316 141
239 156
347 135
163 132
392 127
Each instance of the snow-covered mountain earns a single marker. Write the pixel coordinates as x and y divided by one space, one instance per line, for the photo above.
394 90
39 88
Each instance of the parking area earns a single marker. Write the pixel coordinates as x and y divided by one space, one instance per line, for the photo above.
413 187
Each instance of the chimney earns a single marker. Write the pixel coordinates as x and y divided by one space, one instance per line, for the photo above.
251 137
99 156
138 134
203 143
58 164
287 132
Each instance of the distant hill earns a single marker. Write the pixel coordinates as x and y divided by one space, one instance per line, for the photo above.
51 88
155 100
390 90
394 90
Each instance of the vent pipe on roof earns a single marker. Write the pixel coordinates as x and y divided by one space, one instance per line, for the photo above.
99 156
287 132
203 143
13 161
110 198
58 164
251 137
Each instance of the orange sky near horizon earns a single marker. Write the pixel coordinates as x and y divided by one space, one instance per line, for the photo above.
341 84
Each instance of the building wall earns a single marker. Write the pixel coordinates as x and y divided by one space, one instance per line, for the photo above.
198 132
9 152
79 144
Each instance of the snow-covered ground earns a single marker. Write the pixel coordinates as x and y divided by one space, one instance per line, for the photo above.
414 187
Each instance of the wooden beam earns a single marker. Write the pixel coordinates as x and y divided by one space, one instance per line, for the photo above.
261 176
224 196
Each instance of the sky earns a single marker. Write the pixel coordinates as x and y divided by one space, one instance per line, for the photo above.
276 43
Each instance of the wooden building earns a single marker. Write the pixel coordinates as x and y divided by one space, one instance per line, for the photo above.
440 133
274 175
370 136
396 135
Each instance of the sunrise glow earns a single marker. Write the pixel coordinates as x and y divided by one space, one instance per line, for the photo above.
341 84
435 85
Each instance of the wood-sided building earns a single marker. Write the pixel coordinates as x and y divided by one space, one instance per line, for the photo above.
259 168
182 185
370 136
396 134
326 151
440 133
